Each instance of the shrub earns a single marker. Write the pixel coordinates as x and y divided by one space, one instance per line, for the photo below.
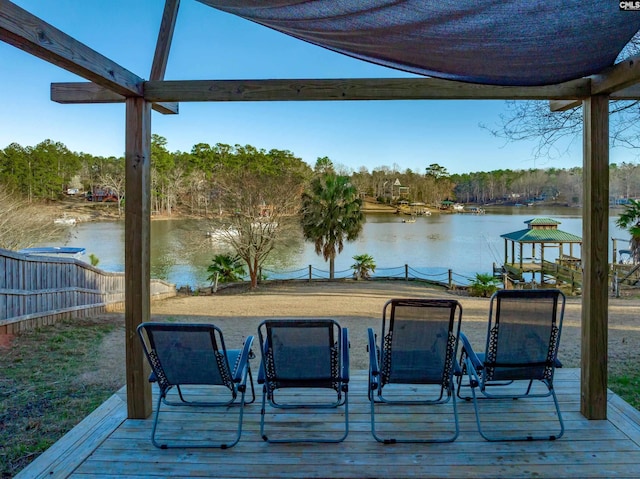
484 285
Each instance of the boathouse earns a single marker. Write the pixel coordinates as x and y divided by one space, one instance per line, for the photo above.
541 234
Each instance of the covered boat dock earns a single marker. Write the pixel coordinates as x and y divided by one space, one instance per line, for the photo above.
542 234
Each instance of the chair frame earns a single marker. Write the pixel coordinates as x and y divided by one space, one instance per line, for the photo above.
271 383
237 376
480 367
378 379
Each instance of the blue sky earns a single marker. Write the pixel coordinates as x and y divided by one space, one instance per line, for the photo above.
209 44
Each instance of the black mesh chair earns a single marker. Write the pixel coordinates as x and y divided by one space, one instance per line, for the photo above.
305 364
415 361
195 355
521 351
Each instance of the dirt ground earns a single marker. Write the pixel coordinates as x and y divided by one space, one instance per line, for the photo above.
358 306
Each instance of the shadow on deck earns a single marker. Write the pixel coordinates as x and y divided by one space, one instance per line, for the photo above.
106 444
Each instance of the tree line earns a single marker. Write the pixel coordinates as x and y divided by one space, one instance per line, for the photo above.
192 181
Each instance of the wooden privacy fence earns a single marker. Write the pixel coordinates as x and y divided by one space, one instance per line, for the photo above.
39 290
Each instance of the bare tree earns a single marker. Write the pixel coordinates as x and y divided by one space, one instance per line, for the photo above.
534 120
24 224
115 181
259 198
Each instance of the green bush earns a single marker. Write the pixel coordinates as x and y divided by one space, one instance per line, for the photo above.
484 285
363 267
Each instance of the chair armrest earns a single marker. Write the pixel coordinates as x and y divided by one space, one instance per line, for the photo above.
240 370
262 375
468 350
373 353
345 355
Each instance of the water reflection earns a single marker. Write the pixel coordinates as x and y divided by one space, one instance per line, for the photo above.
465 243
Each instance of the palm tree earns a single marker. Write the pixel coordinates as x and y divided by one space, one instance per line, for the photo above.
330 214
630 220
363 267
225 268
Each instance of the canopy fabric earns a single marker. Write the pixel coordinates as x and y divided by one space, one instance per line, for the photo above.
499 42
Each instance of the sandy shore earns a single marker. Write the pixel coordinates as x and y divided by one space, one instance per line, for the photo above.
358 306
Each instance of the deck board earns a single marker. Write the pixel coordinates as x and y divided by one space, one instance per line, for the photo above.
106 445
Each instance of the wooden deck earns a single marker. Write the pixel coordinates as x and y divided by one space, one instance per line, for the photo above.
107 445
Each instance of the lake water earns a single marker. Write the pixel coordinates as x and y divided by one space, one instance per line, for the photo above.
465 243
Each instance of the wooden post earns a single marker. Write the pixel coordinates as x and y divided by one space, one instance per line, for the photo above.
137 252
406 272
541 263
450 279
595 230
310 274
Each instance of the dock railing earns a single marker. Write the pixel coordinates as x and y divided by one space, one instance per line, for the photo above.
39 290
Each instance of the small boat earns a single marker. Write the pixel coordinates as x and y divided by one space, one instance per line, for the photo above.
409 220
65 220
458 207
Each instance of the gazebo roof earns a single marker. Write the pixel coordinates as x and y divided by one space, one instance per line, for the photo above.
541 236
542 222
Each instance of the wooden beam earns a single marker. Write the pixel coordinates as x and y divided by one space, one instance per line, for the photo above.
618 77
352 89
595 282
322 90
630 93
564 105
325 90
87 92
137 252
161 56
32 35
319 90
165 36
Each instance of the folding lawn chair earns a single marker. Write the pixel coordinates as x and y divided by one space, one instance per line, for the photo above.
195 355
299 357
521 351
416 359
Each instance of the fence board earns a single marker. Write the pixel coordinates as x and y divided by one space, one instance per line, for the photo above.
37 290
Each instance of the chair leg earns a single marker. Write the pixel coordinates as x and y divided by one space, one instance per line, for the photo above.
452 395
529 437
253 391
220 445
343 402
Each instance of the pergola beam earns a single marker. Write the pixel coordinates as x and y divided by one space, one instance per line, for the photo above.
620 82
161 56
33 35
629 93
87 92
595 276
323 90
165 36
620 76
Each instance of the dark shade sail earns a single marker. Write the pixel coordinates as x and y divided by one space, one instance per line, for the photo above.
500 42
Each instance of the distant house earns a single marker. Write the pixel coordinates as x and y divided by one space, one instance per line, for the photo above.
99 195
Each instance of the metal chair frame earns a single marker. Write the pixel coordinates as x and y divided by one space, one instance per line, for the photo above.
232 366
381 370
273 380
488 374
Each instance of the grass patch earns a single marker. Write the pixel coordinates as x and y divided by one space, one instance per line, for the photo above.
627 386
43 390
